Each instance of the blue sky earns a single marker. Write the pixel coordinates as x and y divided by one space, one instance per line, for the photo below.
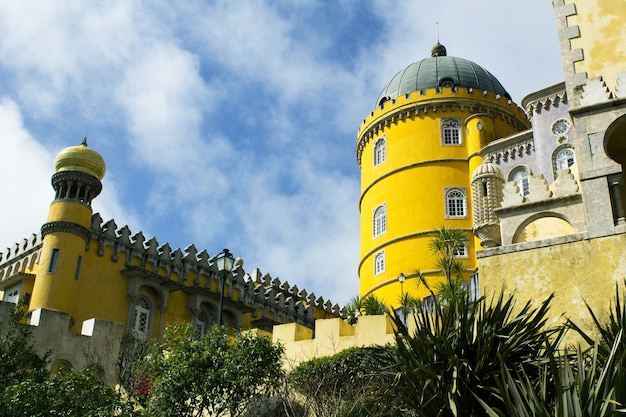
232 124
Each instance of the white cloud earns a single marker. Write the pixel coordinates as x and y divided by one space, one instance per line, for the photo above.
25 171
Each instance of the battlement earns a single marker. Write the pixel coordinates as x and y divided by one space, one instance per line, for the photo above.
98 343
197 269
187 269
332 336
439 100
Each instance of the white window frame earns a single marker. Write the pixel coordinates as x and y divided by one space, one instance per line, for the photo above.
522 181
452 203
379 263
451 132
142 311
12 294
461 252
379 224
380 150
560 160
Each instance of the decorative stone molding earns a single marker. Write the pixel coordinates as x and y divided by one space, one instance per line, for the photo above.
512 147
65 227
544 99
487 183
565 183
446 103
594 92
538 188
512 195
620 90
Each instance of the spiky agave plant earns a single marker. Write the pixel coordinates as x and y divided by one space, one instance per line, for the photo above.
450 365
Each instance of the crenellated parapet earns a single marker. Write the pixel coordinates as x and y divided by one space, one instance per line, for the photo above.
21 258
440 101
332 336
192 271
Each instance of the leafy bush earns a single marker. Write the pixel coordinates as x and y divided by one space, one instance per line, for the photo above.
215 375
344 384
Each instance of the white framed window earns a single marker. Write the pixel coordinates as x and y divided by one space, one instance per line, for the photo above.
461 251
520 176
564 158
380 220
456 203
379 263
380 151
141 318
450 132
12 294
54 261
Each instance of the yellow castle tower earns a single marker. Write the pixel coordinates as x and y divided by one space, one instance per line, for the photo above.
417 151
66 234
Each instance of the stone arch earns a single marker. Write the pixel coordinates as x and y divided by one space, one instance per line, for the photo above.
541 226
60 364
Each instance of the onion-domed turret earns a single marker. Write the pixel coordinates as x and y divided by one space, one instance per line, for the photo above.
80 158
441 70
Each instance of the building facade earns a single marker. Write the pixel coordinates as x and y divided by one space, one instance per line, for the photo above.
417 151
83 279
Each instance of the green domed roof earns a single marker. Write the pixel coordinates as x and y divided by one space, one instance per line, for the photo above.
441 71
80 158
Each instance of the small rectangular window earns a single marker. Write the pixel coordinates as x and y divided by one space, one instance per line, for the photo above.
79 264
461 252
54 261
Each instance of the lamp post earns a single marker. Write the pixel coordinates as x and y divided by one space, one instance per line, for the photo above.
401 279
224 262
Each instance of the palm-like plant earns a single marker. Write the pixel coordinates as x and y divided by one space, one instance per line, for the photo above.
449 366
447 243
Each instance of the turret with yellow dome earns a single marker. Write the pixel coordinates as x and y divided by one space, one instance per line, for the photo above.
76 182
417 151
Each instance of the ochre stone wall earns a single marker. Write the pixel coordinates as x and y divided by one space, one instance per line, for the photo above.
584 270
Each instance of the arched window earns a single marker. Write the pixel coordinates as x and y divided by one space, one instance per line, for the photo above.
379 263
520 176
141 319
456 205
380 220
564 159
380 151
451 132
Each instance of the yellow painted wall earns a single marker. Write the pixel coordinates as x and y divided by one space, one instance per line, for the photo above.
602 31
331 337
413 179
576 272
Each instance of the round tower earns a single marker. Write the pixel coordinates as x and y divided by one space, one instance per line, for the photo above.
76 182
417 151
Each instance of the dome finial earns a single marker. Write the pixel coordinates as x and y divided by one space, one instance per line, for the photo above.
84 141
438 50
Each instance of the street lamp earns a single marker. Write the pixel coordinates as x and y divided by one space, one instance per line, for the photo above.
224 262
401 279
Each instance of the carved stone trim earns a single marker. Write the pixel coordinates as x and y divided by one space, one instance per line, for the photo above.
66 227
411 110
